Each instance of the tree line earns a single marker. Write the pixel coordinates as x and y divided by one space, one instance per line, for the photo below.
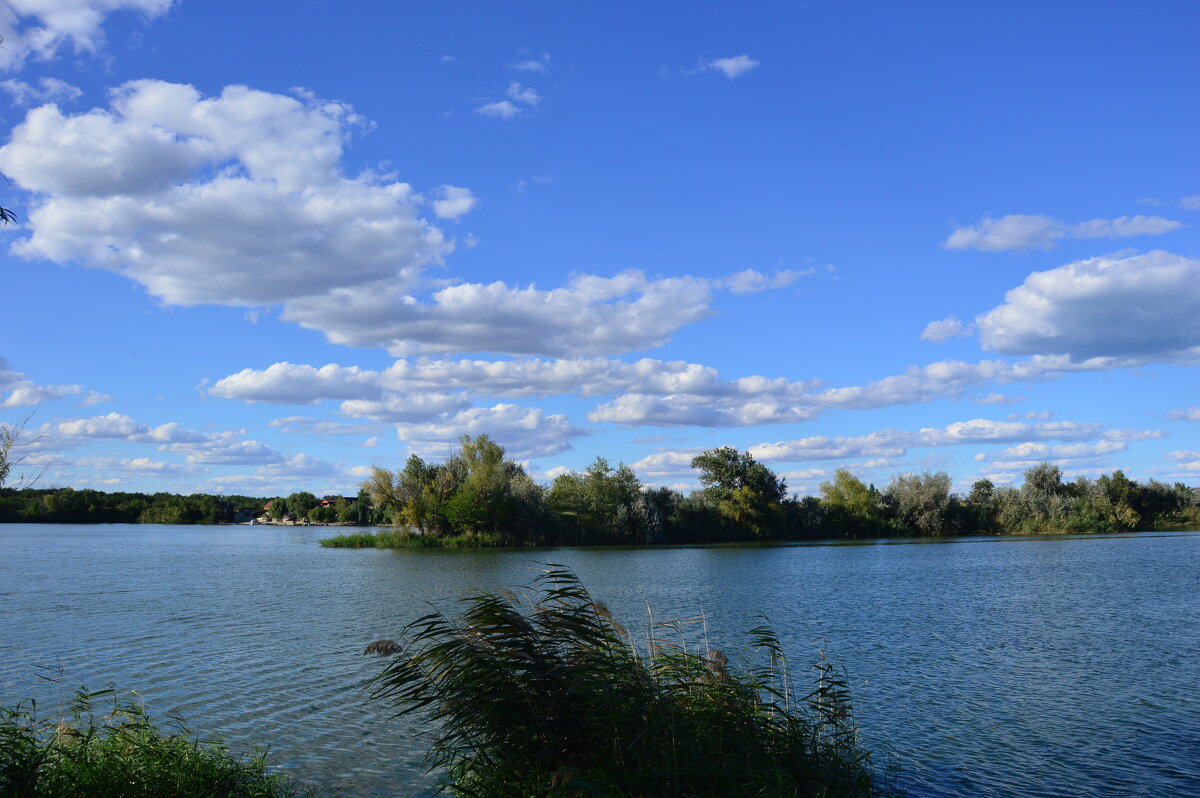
478 494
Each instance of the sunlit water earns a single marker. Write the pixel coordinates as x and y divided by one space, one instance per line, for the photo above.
1014 667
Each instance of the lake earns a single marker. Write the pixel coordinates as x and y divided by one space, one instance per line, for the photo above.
1032 666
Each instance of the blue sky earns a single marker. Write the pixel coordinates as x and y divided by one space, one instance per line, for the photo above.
264 246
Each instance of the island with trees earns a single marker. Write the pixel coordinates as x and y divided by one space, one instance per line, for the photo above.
478 497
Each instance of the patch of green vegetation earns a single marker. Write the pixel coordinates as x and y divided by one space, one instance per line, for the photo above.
400 539
121 754
543 693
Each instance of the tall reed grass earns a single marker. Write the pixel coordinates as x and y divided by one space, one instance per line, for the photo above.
121 754
544 693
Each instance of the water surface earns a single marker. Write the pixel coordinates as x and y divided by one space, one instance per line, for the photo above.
1064 666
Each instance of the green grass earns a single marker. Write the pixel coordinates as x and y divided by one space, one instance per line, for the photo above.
407 540
121 754
543 693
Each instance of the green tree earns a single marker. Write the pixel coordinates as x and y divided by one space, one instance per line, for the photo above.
299 503
852 508
746 493
922 501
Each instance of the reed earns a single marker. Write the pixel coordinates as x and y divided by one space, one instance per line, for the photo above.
399 539
543 693
121 754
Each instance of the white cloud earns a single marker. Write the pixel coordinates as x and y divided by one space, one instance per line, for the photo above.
750 281
896 443
1191 203
407 408
699 411
48 90
522 94
995 398
236 453
1032 415
524 432
666 464
35 29
1024 232
304 425
520 99
1142 308
498 109
1029 454
733 67
453 202
1186 414
296 466
589 316
232 200
290 383
18 390
943 330
540 64
170 436
113 425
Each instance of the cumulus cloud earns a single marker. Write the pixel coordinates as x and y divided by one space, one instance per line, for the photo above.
1186 414
522 94
1141 308
235 453
47 90
699 411
120 426
539 64
498 109
525 432
223 447
896 443
453 202
296 466
234 200
1023 231
240 200
17 390
1029 454
733 67
589 316
520 99
304 425
32 29
291 383
943 330
750 281
407 408
1191 203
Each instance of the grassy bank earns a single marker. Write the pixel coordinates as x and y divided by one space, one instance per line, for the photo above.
121 754
543 693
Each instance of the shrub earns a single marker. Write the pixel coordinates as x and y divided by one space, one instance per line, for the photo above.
543 693
121 755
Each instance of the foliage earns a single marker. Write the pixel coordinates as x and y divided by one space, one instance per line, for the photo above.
476 491
70 506
604 504
120 754
921 502
545 694
852 505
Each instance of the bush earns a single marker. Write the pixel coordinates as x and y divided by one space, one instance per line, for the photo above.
120 755
545 694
